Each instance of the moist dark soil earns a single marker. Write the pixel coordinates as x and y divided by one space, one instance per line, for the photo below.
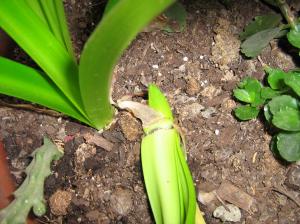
197 70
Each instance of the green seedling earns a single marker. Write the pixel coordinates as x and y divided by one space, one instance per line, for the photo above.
31 193
80 90
263 29
280 99
280 103
167 177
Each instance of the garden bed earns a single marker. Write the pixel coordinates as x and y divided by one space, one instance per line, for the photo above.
100 177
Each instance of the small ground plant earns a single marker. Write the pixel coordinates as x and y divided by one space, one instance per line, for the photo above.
167 176
279 99
263 29
80 90
30 195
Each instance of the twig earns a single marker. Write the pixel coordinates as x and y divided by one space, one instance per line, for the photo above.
222 202
287 13
32 108
281 190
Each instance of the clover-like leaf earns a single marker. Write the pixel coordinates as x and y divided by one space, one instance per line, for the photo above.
288 145
243 95
287 119
267 113
253 45
245 113
279 103
268 93
293 80
276 77
249 91
294 37
261 23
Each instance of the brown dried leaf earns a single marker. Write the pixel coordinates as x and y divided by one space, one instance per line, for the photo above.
230 193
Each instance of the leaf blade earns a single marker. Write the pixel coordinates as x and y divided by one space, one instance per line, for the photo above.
287 119
119 26
261 23
288 145
253 45
246 112
26 83
29 31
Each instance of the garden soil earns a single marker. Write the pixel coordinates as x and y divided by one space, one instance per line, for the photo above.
99 179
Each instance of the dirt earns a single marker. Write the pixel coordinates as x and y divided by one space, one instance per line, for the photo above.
197 70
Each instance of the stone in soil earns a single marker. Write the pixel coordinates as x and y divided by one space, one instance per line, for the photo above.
293 178
131 128
121 201
98 217
59 202
233 215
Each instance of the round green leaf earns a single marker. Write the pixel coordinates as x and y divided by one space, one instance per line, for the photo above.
246 112
275 78
287 119
261 23
268 93
249 91
293 80
288 145
253 45
243 95
267 113
281 102
294 37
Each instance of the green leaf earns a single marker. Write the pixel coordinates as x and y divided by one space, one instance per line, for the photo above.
176 14
31 192
294 37
167 178
53 15
104 47
31 33
287 119
267 113
268 93
109 5
261 23
26 83
276 77
293 80
273 146
279 103
288 145
243 95
253 45
245 113
158 102
249 91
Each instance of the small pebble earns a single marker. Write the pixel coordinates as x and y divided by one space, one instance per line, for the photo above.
217 131
293 178
201 57
59 202
185 59
208 112
131 128
192 87
233 215
121 201
155 66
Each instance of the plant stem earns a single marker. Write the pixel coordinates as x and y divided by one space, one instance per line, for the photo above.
287 13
